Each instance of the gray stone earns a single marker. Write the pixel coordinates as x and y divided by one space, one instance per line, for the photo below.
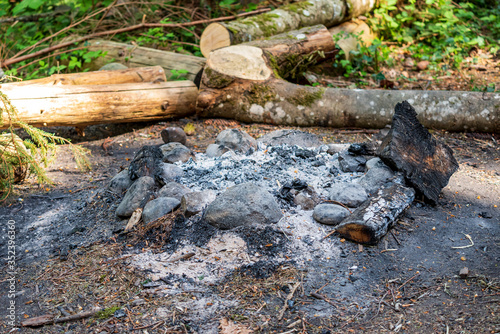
113 67
236 140
330 214
243 204
174 134
216 150
351 163
375 163
194 202
159 207
120 182
375 178
348 193
137 192
170 172
290 137
307 198
336 148
173 189
305 202
174 151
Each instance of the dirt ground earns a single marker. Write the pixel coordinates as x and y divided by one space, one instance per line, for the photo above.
71 255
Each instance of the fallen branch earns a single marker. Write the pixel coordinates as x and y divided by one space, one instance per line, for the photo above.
48 319
15 59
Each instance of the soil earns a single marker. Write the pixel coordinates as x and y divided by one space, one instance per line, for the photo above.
71 254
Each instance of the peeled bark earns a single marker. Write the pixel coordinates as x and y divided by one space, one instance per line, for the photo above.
81 105
240 82
138 56
371 221
288 17
131 75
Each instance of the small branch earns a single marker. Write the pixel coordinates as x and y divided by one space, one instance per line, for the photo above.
324 298
48 319
290 296
15 60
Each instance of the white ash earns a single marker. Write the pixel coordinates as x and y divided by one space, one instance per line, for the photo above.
268 167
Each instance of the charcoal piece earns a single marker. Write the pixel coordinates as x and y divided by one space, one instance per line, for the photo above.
146 162
303 153
285 192
426 163
351 163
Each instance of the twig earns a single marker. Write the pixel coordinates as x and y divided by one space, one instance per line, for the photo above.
329 234
15 60
320 296
104 15
290 296
408 280
392 233
155 324
471 243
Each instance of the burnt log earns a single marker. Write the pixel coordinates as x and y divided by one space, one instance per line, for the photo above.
371 221
426 163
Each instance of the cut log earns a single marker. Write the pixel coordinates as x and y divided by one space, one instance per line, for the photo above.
285 18
81 105
265 60
130 75
426 163
240 82
138 56
371 221
346 33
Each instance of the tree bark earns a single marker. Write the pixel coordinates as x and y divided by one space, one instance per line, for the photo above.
240 82
426 163
82 105
371 221
131 75
138 56
288 17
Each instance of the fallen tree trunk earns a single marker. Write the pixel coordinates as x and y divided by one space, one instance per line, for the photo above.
371 221
131 75
241 83
288 17
82 105
138 56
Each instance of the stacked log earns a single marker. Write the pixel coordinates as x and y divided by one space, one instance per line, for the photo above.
290 17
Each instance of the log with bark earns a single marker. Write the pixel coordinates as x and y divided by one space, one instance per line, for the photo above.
82 105
138 56
285 18
371 221
131 75
244 83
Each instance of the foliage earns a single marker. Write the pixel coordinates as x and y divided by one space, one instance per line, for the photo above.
440 31
21 157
